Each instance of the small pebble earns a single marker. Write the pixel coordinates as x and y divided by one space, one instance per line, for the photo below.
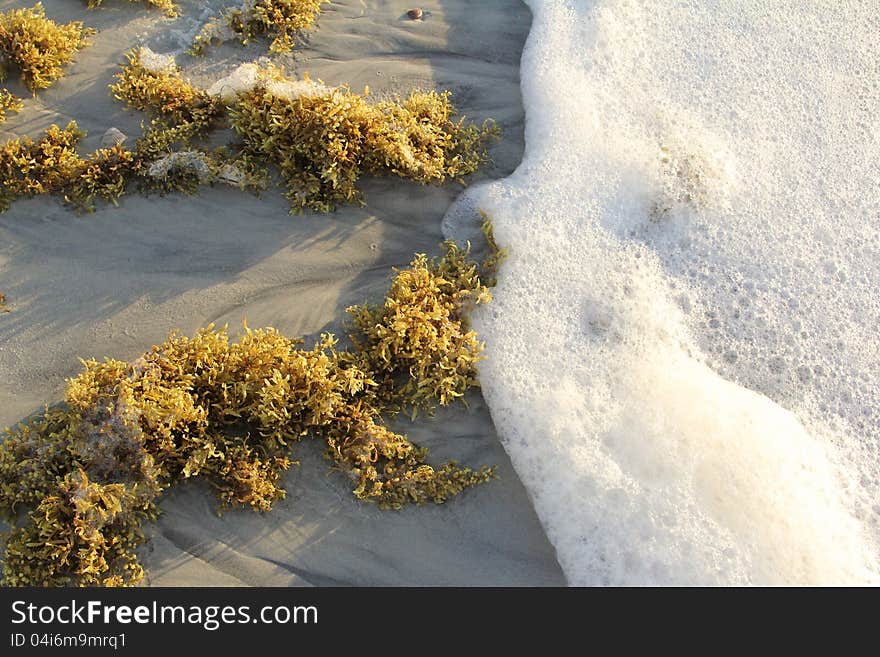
414 14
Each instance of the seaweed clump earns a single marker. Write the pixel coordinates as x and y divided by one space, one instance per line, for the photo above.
181 114
52 165
37 46
153 84
163 160
159 163
320 139
8 103
417 344
281 20
81 479
324 139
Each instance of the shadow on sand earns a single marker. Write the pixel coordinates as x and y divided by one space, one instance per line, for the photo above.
156 250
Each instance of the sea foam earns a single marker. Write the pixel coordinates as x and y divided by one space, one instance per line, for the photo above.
683 347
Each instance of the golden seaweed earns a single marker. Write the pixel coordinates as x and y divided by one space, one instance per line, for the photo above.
78 481
52 165
324 139
83 534
321 139
8 103
38 47
161 162
281 20
417 344
164 94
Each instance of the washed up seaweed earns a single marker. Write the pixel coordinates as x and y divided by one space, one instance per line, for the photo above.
159 163
52 165
324 139
38 47
417 344
320 139
153 84
8 103
79 481
283 21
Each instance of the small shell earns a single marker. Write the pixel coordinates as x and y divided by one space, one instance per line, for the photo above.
415 14
113 137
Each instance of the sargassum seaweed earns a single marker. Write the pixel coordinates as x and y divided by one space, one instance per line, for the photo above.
79 481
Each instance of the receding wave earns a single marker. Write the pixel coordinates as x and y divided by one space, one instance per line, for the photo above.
683 347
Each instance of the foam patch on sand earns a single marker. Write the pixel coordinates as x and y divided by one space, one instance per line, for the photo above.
155 62
242 79
683 346
247 76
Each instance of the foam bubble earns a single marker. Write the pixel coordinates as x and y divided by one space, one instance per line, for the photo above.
683 354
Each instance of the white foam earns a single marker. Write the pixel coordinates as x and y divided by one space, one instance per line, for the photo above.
247 76
293 89
155 62
242 79
683 346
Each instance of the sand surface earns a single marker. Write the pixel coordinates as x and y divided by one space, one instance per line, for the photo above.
116 282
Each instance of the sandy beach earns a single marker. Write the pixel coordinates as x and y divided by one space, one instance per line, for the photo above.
680 382
115 282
